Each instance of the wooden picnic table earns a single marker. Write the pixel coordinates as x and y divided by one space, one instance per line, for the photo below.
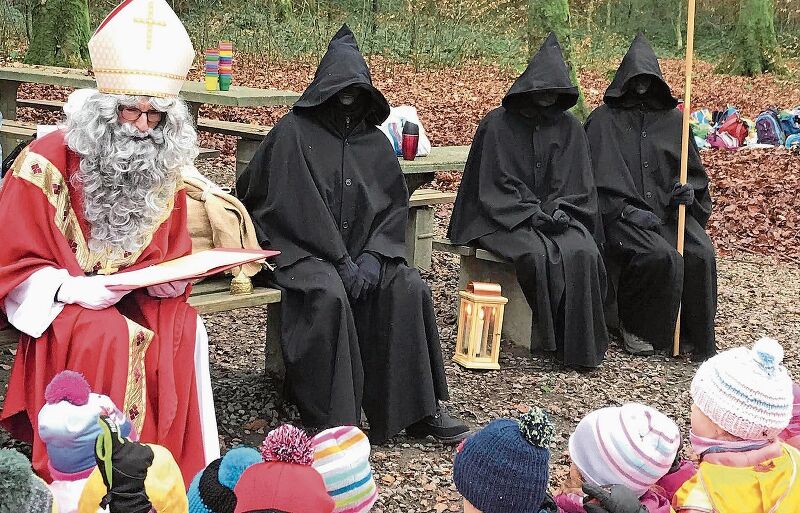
194 93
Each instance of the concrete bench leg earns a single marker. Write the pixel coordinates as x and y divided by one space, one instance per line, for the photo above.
419 237
245 149
518 318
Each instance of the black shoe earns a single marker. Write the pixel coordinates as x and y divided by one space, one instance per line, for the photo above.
441 426
636 345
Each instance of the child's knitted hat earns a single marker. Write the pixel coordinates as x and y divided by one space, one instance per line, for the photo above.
132 478
211 490
746 392
68 423
21 491
285 480
632 445
504 467
341 455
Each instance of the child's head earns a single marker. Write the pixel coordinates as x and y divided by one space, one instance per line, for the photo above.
341 456
285 480
743 394
211 490
21 491
632 445
504 467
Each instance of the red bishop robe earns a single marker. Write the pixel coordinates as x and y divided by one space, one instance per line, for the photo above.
139 352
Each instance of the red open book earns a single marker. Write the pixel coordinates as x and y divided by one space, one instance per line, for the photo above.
190 267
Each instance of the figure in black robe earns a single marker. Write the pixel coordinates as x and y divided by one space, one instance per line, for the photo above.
528 195
358 325
635 141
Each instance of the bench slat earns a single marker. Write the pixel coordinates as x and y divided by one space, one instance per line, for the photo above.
225 301
53 105
245 130
424 197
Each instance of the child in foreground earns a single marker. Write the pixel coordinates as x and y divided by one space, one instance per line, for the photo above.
743 400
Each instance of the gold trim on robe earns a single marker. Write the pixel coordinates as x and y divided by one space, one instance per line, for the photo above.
135 407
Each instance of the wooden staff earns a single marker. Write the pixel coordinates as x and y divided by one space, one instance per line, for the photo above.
687 113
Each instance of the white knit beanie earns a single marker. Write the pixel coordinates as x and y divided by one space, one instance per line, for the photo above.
632 445
746 392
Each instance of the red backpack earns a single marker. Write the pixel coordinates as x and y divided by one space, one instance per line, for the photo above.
735 127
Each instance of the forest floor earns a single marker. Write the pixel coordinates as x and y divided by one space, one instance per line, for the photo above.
755 226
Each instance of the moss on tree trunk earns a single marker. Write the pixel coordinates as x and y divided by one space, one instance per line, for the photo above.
545 16
755 45
60 34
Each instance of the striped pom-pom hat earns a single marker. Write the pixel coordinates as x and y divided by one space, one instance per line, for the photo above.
341 456
746 392
632 445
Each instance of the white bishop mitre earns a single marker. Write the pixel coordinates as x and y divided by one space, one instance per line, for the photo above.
141 49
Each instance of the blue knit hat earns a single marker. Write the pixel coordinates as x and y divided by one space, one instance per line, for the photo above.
211 490
504 467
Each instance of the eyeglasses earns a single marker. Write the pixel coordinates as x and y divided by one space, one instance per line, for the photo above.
133 114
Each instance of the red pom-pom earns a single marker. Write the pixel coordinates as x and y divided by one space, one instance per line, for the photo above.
288 444
68 386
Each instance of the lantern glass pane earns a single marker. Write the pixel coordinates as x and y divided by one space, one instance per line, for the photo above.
464 327
488 336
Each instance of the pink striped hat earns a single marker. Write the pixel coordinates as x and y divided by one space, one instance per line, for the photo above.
632 445
341 456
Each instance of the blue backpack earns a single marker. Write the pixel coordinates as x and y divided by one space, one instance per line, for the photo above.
790 121
793 142
769 130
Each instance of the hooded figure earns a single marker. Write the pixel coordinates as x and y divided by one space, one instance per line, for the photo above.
358 325
528 195
635 141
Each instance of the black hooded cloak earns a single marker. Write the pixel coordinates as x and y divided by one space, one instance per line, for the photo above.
325 183
518 167
636 152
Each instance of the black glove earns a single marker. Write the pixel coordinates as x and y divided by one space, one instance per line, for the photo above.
540 220
644 219
619 500
351 279
560 222
682 194
369 268
123 466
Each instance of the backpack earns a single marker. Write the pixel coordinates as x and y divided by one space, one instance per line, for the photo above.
793 142
790 121
722 140
735 127
769 128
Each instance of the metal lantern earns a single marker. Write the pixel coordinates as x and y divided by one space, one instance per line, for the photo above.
480 322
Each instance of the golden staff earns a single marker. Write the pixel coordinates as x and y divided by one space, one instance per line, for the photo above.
687 112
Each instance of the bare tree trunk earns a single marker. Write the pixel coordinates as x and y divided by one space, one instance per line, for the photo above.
678 26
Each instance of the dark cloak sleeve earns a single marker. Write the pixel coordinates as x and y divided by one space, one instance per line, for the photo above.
288 212
512 165
613 136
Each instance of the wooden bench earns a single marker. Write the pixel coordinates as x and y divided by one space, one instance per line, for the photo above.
421 227
212 296
481 265
14 132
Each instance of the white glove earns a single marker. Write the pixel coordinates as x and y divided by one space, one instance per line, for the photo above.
89 292
169 289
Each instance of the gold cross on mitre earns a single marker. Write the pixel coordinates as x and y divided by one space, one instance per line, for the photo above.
150 21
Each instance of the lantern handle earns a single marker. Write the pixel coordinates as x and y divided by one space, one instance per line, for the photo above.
482 288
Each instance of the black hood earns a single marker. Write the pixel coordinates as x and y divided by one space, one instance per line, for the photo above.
546 73
343 66
640 60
